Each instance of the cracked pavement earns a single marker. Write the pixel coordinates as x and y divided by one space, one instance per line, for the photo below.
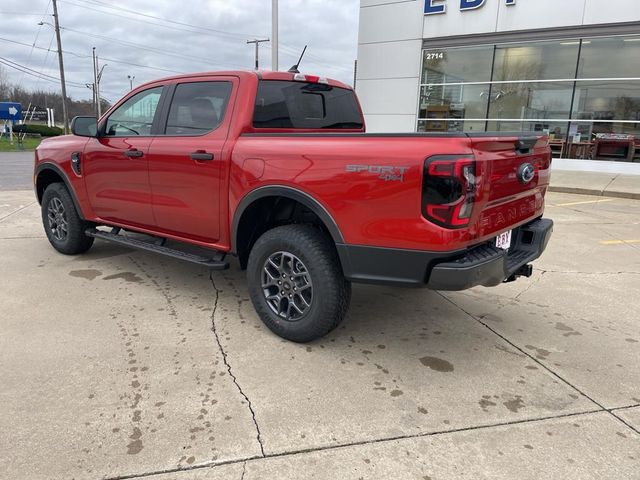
121 364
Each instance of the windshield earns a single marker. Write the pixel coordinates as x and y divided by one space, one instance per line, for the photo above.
284 104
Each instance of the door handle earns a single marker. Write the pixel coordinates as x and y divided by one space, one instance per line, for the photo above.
201 156
133 153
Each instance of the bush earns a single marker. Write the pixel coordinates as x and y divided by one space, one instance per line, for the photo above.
38 129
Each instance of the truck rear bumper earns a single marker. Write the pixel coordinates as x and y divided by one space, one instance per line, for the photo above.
488 265
484 264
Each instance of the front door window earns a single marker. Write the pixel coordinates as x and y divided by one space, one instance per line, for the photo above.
135 116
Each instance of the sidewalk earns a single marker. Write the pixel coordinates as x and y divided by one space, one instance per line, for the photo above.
596 183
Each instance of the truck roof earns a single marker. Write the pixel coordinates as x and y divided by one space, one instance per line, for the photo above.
261 74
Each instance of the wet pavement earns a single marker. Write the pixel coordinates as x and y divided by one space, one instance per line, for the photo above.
122 364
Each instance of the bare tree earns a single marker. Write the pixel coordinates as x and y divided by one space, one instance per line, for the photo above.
10 92
5 87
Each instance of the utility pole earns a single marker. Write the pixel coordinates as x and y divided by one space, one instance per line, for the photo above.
257 42
95 83
97 76
131 79
274 35
65 116
355 73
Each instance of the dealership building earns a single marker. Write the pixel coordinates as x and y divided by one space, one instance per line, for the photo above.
569 68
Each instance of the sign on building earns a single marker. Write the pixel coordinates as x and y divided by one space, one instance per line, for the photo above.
435 7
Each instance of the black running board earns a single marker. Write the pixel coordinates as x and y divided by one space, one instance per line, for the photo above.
216 263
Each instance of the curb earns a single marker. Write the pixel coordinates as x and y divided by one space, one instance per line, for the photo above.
597 193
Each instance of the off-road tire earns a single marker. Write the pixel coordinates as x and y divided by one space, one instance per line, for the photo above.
74 241
331 291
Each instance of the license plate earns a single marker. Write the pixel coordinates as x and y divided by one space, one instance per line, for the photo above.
504 240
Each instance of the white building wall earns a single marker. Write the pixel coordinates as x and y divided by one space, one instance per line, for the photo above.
390 44
391 34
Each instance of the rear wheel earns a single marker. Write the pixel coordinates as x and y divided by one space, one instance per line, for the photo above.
62 224
296 283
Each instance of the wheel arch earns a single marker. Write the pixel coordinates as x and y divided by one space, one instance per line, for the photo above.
241 245
48 173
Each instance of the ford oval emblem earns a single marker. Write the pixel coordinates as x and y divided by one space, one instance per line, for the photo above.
526 172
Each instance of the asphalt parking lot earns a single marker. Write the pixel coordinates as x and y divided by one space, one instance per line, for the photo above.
121 364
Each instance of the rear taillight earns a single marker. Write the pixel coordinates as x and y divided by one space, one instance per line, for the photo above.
448 190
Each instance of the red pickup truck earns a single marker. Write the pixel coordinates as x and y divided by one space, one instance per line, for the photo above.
276 169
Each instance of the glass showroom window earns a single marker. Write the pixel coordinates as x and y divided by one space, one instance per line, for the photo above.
446 97
536 61
529 106
533 86
606 111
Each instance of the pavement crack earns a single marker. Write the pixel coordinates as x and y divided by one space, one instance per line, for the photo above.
623 421
244 470
531 284
521 350
604 190
214 329
610 411
374 441
16 211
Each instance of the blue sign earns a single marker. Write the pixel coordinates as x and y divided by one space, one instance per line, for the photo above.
435 7
10 111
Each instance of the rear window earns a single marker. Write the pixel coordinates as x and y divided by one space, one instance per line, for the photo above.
283 104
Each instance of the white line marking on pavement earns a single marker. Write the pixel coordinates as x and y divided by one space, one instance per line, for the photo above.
585 202
618 242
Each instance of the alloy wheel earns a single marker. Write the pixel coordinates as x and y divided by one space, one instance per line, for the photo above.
287 286
57 217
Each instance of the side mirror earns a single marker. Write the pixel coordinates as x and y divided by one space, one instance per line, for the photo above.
84 126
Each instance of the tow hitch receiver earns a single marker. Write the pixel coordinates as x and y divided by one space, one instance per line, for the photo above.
523 271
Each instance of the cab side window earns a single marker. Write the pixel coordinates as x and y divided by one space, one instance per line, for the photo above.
135 116
198 107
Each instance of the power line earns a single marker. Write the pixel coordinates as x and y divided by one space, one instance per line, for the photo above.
80 55
141 20
151 49
21 14
175 22
46 10
291 50
33 73
44 63
131 64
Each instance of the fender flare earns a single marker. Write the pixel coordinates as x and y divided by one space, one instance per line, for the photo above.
55 168
288 192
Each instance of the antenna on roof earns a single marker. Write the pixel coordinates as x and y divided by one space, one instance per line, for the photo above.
294 69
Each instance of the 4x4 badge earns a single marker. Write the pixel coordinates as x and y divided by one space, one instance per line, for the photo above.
384 172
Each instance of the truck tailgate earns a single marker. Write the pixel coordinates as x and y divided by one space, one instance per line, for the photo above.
513 176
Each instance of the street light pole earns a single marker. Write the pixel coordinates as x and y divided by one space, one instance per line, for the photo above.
257 42
95 83
65 116
131 79
274 35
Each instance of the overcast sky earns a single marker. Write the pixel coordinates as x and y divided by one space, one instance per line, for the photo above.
161 47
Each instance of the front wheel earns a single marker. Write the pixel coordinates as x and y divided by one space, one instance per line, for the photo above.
296 283
62 224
